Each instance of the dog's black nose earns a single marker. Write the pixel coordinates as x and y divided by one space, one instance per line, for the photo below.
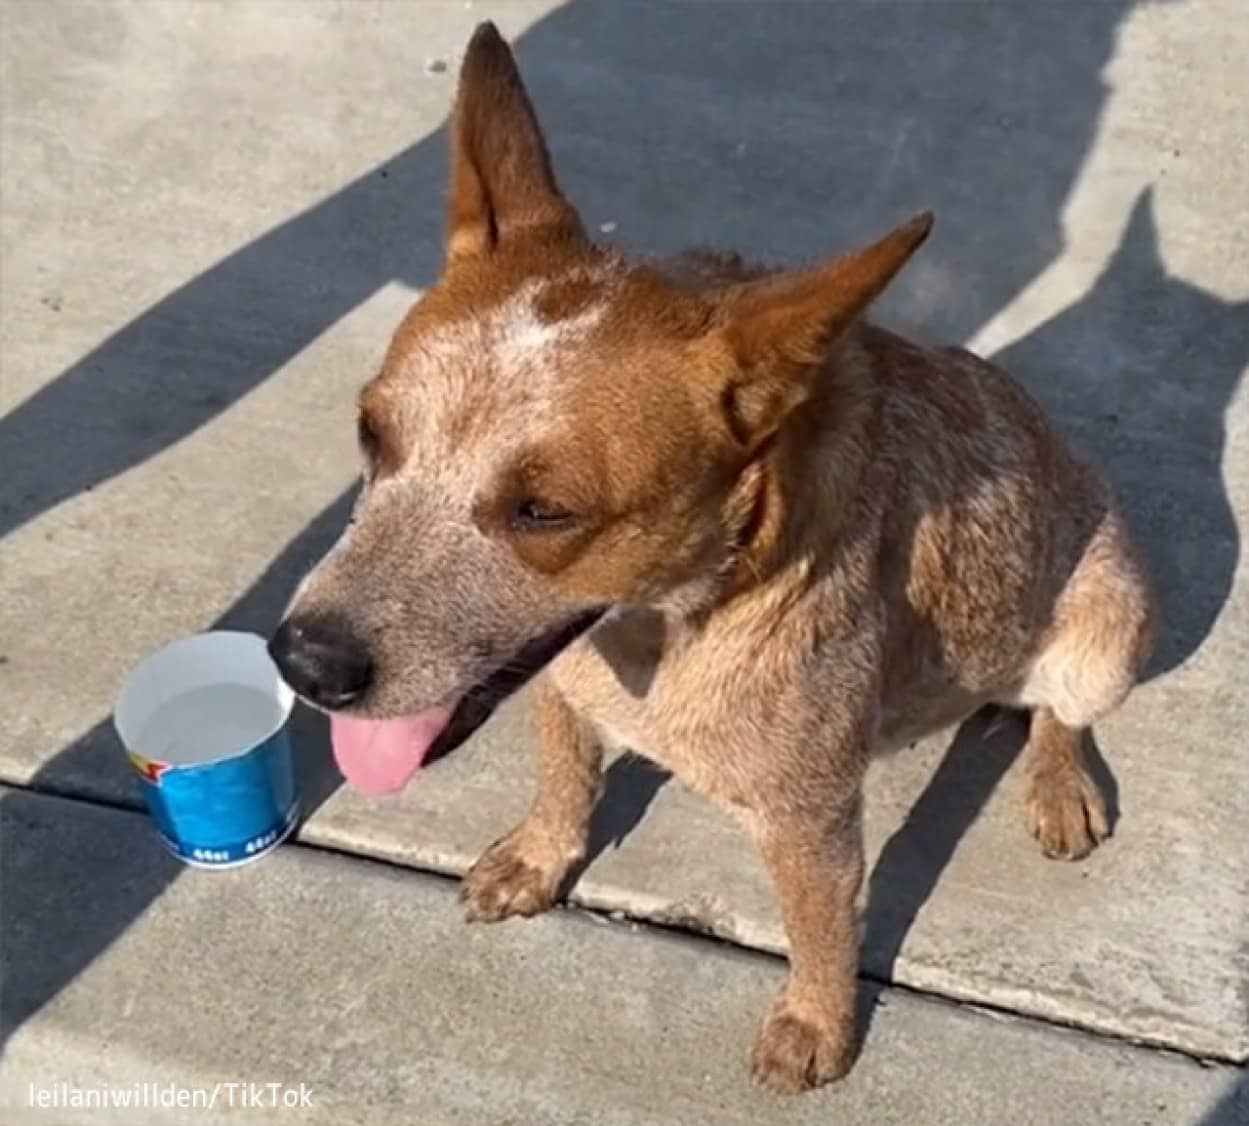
322 660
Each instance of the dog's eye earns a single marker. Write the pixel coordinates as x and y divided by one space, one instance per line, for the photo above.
532 515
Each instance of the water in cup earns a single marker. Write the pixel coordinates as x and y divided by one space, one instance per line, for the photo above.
209 723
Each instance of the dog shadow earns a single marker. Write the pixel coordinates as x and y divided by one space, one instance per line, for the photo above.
1138 374
910 865
630 784
672 127
1232 1109
1148 406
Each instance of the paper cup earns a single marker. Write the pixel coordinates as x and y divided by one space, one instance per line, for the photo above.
204 722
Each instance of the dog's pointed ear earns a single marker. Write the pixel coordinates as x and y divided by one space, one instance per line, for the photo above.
779 330
502 185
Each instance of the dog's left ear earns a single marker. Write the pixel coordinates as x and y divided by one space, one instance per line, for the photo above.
779 330
502 186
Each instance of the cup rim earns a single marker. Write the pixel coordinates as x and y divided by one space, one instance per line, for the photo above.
284 696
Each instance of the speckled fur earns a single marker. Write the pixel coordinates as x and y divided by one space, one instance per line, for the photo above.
818 540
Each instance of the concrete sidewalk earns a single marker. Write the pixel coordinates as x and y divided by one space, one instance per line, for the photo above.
361 982
213 216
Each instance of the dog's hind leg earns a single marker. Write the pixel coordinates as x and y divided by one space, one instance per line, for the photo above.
1065 810
1103 632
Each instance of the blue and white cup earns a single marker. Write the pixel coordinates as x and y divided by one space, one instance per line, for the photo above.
204 721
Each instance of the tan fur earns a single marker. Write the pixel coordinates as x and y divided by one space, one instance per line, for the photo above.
817 540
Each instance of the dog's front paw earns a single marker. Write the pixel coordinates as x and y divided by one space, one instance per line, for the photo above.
796 1050
511 878
1066 813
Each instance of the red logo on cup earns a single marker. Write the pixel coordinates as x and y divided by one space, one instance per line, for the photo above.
149 769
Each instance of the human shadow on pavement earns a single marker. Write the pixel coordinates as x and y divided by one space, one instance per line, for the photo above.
785 131
672 124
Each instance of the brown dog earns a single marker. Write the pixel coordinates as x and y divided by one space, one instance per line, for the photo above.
745 533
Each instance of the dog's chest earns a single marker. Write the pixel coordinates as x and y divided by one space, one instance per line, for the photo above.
618 678
682 703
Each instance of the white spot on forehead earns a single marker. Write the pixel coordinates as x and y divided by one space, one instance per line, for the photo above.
510 362
513 337
521 336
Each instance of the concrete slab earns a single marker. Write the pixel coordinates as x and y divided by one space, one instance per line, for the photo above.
359 982
960 902
213 216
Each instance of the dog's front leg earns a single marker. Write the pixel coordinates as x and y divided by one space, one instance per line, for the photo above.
521 874
814 853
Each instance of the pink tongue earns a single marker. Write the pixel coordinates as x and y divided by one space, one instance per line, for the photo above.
379 756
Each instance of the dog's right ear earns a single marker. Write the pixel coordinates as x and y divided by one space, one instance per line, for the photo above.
502 186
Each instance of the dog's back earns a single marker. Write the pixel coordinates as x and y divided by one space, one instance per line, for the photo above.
988 528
